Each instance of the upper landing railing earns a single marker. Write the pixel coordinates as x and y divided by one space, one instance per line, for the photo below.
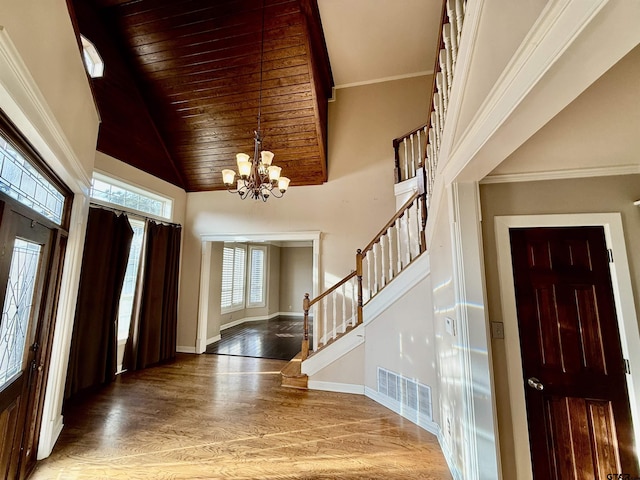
420 147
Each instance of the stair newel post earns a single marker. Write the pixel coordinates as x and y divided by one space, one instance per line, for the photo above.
305 339
359 277
396 149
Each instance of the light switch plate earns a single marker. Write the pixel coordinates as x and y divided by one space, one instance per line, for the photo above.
497 330
450 326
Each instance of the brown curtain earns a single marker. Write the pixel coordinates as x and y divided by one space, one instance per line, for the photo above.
92 360
152 337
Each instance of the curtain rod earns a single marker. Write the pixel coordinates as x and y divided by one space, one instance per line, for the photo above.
132 214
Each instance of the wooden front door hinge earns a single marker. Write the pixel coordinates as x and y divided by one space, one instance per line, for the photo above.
627 367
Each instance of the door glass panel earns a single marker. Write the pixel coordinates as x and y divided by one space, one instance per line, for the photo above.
17 308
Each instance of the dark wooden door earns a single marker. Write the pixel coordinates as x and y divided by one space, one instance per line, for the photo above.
25 246
574 377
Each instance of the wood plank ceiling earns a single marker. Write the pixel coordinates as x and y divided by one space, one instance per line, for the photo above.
180 93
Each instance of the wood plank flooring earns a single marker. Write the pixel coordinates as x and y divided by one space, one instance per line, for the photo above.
224 417
279 338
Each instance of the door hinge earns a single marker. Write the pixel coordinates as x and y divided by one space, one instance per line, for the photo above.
610 253
627 367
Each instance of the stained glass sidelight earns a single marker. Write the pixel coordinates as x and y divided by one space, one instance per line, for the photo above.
20 180
17 308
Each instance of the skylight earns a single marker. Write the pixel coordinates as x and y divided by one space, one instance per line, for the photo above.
92 59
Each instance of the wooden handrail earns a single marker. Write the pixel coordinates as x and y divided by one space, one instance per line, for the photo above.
331 290
398 141
384 229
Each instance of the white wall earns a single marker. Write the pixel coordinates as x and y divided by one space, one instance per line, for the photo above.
609 110
349 209
296 277
402 339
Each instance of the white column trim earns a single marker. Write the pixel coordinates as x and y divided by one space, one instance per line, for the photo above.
481 449
203 298
52 421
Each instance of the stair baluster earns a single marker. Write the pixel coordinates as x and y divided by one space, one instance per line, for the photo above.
335 314
390 239
344 308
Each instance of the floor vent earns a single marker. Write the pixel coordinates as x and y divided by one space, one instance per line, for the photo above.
407 392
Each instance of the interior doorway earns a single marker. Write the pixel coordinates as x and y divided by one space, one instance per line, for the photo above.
213 317
579 420
610 226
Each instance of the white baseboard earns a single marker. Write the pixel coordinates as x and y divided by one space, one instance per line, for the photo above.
292 314
402 410
248 319
448 456
213 339
336 387
185 349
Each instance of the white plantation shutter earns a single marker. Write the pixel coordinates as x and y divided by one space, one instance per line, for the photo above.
227 277
257 276
233 277
239 266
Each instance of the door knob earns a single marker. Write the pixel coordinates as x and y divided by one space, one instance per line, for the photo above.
535 383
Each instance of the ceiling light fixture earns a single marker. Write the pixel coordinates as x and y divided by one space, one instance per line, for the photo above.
258 177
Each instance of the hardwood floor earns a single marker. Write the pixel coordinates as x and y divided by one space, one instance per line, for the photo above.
224 417
279 338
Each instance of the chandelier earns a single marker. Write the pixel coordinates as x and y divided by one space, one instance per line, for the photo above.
258 177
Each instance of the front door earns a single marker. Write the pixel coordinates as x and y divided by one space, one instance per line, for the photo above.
574 374
25 271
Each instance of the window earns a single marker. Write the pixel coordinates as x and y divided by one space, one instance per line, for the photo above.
20 180
240 270
257 276
92 59
234 259
125 309
110 191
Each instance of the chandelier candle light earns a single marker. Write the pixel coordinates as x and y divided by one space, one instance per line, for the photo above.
258 177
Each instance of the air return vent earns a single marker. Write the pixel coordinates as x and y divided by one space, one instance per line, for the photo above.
407 392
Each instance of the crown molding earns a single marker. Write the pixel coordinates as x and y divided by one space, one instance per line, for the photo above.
562 174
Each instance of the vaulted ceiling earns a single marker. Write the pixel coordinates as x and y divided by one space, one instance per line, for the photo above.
181 87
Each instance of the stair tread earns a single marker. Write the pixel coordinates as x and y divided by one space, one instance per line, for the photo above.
293 368
292 376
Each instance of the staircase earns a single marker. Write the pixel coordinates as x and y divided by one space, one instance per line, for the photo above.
339 310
